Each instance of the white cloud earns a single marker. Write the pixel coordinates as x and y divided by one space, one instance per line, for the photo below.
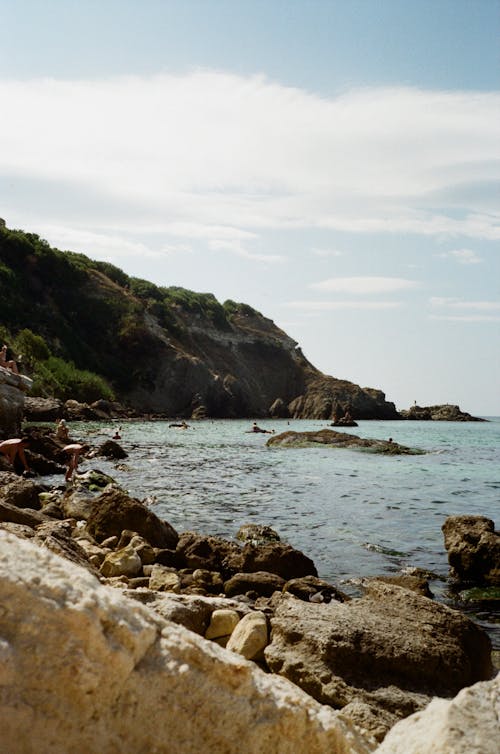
102 246
466 318
209 151
326 252
365 285
456 303
463 256
236 247
313 306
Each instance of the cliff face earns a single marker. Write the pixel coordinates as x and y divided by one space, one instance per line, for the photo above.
12 390
167 350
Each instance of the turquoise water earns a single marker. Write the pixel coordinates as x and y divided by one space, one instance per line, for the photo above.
354 513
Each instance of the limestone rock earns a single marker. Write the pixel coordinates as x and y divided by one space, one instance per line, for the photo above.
200 551
164 580
222 623
20 492
42 409
445 412
391 649
308 587
257 534
262 582
124 562
250 637
473 548
468 724
12 390
84 669
112 449
114 511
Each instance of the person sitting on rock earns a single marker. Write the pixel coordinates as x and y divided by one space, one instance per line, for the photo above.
14 448
7 363
62 432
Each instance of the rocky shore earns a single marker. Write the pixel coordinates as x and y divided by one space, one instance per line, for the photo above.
117 628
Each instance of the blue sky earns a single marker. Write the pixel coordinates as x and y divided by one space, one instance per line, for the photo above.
333 163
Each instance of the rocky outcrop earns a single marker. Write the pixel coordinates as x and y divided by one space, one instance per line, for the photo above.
473 548
380 657
334 439
328 398
85 669
12 395
468 724
445 413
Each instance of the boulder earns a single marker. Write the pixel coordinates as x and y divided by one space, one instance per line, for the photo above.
111 449
124 562
222 623
473 548
274 557
261 582
391 650
201 551
332 439
12 396
164 580
257 534
25 516
250 636
85 669
279 409
57 536
114 510
23 493
445 412
468 724
313 589
42 409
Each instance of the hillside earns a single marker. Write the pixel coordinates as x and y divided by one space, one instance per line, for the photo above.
163 349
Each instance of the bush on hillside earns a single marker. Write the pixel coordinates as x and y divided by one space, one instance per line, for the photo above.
61 379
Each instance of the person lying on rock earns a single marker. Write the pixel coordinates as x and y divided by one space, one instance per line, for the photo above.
14 448
7 363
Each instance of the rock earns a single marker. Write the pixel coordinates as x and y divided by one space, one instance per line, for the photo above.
473 548
418 584
262 582
12 396
391 650
279 409
111 449
324 394
468 724
200 551
273 557
24 516
250 636
124 562
445 412
163 580
42 409
114 511
334 439
210 581
306 587
257 534
222 623
57 536
23 493
85 669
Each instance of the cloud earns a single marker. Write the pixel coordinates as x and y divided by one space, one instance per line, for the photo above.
365 285
314 306
236 247
456 303
326 252
209 151
463 256
466 318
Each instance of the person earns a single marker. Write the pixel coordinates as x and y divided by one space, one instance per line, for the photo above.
7 363
62 432
73 450
117 435
13 449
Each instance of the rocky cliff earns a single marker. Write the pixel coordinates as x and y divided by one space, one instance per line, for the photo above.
12 390
167 350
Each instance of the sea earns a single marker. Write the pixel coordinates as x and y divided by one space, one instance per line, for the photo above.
355 513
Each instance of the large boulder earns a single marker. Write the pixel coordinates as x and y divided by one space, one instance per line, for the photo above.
468 724
12 395
23 493
114 510
445 413
390 651
332 439
473 548
84 669
202 551
274 557
43 409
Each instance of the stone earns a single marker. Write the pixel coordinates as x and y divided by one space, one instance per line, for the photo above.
467 724
23 493
257 534
415 583
279 409
24 516
473 548
42 409
222 623
114 511
332 439
12 396
200 551
164 580
274 557
86 669
261 582
307 587
392 649
112 449
445 412
124 562
250 636
211 581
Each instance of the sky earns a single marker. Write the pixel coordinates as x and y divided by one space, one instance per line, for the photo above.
333 163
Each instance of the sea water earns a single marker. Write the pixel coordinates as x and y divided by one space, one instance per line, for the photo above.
355 513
